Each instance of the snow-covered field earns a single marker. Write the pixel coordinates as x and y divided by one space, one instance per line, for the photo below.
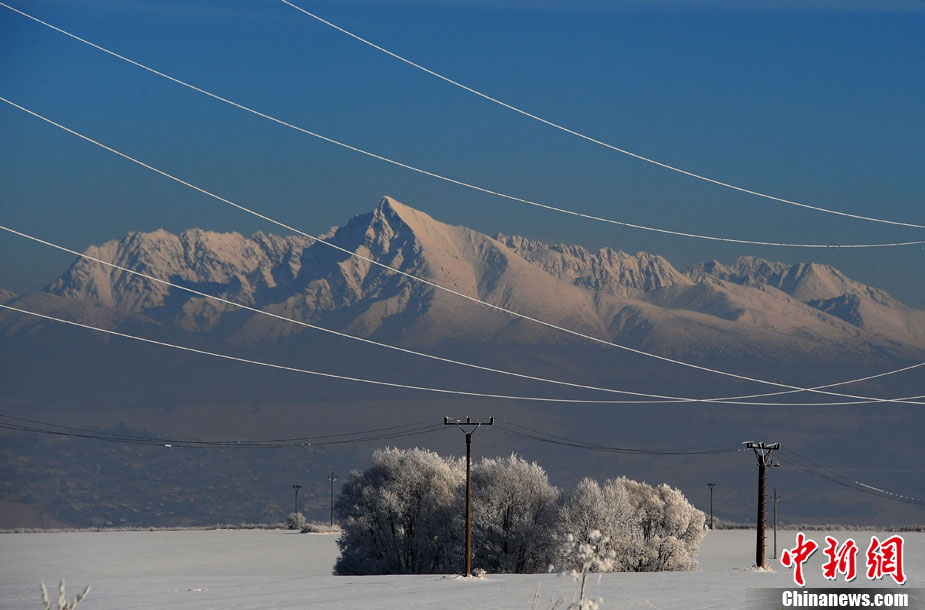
280 569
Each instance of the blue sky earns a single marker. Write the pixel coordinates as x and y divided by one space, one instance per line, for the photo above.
820 102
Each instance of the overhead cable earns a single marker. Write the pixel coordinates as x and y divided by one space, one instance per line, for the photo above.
513 429
596 141
292 369
663 398
302 440
461 182
308 371
428 282
810 467
112 437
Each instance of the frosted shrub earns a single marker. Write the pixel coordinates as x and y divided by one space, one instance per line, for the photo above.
666 531
62 603
296 521
595 555
646 528
396 515
405 515
514 514
595 514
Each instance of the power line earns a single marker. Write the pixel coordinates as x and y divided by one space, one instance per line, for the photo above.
594 140
805 464
330 331
184 444
453 180
831 385
508 428
431 283
311 372
391 432
74 432
387 432
667 399
308 371
555 439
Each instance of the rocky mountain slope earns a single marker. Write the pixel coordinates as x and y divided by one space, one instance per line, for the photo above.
750 307
801 324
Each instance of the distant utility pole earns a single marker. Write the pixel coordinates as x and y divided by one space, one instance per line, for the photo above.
712 485
762 453
297 488
776 498
332 478
472 427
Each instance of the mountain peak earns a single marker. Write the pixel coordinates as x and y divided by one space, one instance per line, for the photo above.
390 205
390 210
562 282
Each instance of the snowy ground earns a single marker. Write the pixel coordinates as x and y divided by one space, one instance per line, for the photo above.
280 569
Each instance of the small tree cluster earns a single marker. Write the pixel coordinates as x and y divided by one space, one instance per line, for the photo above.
647 528
405 515
514 515
296 521
395 514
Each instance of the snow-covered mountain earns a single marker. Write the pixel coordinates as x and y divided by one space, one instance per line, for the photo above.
750 308
805 325
826 289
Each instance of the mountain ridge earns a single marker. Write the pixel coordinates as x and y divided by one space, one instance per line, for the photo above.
641 300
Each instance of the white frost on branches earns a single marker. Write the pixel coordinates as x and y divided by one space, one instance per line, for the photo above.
62 603
514 515
395 514
648 528
405 515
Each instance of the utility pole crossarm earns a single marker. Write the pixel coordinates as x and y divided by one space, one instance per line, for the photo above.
468 422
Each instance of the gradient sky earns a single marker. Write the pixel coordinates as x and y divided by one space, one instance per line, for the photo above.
821 102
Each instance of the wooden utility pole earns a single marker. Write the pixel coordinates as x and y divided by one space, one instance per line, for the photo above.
472 427
332 478
762 453
776 498
712 485
297 488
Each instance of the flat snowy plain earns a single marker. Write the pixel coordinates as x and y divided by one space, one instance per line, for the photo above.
224 569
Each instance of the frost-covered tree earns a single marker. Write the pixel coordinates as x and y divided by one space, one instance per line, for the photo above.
296 521
647 528
395 514
514 513
666 531
597 515
405 515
